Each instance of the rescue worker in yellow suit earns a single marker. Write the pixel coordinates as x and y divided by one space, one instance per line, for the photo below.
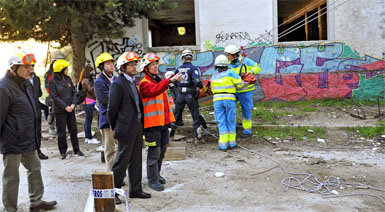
244 94
224 82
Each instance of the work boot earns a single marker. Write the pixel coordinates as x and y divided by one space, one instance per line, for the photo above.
153 178
80 153
162 180
156 186
43 206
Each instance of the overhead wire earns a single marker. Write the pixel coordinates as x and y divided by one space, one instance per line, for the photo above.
333 8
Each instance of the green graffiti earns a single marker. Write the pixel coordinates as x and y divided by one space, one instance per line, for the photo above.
369 89
211 47
349 53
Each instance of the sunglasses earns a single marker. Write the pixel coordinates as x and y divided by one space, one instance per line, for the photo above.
28 59
152 57
131 56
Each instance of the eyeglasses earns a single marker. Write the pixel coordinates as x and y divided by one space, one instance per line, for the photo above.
130 56
151 57
28 59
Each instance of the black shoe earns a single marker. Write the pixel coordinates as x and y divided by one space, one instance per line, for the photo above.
80 153
42 156
233 147
156 186
63 156
117 200
140 194
43 206
162 180
245 135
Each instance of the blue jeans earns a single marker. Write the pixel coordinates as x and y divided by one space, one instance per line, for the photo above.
89 110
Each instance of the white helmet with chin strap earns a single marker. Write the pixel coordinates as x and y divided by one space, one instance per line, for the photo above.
221 61
232 49
187 54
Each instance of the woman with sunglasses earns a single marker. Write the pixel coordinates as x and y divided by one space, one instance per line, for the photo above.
157 117
63 93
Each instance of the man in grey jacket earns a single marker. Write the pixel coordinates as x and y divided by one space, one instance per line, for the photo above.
18 134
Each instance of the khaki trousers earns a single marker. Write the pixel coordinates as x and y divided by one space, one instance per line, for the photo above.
11 179
109 147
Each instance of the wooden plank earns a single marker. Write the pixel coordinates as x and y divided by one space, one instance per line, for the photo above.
306 28
319 24
309 7
103 180
177 144
176 151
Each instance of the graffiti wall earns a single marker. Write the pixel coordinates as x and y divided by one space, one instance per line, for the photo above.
300 72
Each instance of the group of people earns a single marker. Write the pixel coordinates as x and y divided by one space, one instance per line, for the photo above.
127 113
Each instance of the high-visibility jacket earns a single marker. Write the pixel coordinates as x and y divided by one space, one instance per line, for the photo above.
224 84
251 67
153 109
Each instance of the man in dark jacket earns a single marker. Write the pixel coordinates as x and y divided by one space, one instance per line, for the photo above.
187 93
105 62
125 114
18 134
36 88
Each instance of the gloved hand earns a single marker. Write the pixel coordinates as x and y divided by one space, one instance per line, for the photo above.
248 78
204 89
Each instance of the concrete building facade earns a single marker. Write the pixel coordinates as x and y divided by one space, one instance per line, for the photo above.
307 49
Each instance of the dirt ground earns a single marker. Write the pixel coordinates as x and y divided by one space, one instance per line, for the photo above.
249 182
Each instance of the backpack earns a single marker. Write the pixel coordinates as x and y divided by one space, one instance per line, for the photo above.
80 94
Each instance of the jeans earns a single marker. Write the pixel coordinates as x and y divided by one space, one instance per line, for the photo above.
89 110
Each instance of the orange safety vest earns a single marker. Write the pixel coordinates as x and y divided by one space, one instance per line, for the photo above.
154 110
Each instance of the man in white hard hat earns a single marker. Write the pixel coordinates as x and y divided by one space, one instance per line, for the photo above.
18 134
244 94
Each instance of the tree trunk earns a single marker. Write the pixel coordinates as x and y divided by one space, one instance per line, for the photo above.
79 57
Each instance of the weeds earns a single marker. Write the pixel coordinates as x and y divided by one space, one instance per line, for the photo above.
297 133
370 132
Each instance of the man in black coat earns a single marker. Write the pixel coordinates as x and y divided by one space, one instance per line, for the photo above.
125 114
36 88
18 134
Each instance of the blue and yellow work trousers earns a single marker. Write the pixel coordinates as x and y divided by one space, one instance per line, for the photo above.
225 111
246 100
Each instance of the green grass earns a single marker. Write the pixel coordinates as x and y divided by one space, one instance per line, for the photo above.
370 132
298 133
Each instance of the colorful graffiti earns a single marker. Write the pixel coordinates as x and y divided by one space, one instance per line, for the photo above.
295 72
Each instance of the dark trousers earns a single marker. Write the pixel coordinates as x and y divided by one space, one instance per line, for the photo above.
193 106
89 111
38 123
156 153
64 120
129 158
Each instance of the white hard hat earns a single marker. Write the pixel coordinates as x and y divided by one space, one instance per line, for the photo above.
231 49
147 59
21 58
221 61
126 57
187 53
168 74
